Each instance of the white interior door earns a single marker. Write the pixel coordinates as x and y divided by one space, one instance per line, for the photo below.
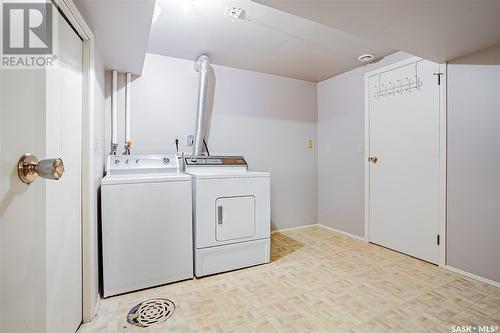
40 236
404 181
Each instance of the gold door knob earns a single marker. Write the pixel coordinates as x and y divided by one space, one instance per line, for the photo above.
29 168
373 159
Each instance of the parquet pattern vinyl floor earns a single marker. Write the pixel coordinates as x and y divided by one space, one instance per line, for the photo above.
317 281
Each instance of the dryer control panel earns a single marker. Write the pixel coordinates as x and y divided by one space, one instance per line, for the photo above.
216 161
140 164
199 163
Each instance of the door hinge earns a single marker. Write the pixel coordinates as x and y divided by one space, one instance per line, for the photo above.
439 77
438 240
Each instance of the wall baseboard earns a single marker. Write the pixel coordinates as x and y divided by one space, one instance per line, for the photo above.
342 232
473 276
294 228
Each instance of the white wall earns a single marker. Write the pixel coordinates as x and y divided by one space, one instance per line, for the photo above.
266 118
99 151
341 129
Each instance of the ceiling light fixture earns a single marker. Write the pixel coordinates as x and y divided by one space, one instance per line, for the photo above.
235 13
366 57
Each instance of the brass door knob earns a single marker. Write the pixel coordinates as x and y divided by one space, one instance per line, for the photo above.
29 168
373 159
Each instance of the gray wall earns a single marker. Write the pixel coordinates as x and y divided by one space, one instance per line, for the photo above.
266 118
341 118
474 164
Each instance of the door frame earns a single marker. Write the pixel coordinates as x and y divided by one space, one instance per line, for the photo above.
88 204
442 151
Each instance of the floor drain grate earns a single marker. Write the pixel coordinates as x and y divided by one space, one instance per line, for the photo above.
151 312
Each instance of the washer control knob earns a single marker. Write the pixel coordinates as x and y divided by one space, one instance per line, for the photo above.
117 161
166 160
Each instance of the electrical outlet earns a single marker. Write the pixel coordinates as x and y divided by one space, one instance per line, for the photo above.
309 143
190 140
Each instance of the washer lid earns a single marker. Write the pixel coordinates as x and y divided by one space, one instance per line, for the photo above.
145 178
221 173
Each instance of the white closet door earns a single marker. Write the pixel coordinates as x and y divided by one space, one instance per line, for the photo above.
40 225
404 183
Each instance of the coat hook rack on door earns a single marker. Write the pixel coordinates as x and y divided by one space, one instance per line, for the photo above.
401 86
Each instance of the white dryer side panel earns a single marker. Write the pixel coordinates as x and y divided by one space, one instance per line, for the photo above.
209 193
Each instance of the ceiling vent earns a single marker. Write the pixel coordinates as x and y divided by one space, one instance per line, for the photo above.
366 57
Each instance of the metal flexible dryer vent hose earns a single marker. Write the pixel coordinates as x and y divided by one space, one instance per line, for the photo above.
202 66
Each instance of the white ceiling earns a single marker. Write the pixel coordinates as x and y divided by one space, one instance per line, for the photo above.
267 40
323 40
438 30
121 28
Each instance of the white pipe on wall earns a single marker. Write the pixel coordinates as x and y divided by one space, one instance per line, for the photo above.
114 140
202 65
127 113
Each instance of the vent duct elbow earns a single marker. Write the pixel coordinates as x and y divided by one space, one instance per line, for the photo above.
202 66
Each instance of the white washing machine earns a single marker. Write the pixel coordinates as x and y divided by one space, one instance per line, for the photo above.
231 214
146 223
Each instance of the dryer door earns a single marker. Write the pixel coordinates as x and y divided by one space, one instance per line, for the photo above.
235 217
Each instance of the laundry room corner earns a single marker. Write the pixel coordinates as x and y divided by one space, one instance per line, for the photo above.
243 166
269 119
